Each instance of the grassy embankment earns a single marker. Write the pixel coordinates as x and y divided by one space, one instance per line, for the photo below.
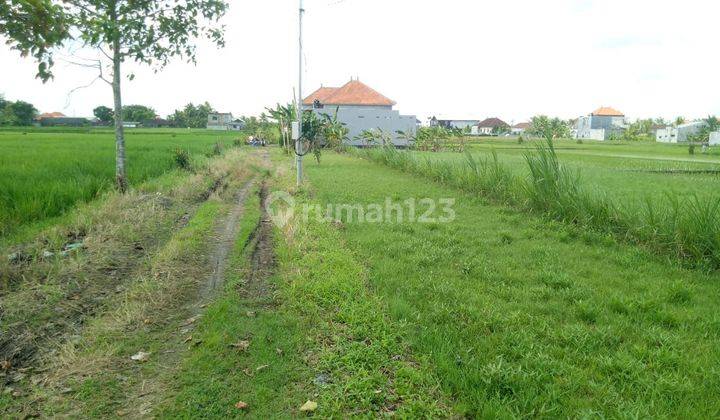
684 226
44 172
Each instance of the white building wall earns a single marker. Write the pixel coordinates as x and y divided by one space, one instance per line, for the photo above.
360 118
666 135
714 138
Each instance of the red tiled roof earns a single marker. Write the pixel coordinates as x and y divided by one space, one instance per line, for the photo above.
606 111
321 94
522 125
492 123
50 115
353 92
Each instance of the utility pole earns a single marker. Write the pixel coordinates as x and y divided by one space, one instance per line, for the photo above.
298 142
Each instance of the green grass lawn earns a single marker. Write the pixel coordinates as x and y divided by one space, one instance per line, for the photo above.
46 171
521 317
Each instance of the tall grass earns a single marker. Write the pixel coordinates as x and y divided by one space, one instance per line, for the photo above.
688 229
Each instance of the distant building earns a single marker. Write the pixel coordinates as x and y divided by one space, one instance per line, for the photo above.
714 138
236 125
520 128
453 123
680 133
156 123
219 121
130 124
490 127
63 122
361 108
601 124
45 115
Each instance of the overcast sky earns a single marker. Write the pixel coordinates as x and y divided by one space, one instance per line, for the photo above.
455 58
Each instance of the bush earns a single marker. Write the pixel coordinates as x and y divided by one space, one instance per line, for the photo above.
182 159
237 142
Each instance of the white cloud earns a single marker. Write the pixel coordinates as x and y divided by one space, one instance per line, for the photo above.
511 59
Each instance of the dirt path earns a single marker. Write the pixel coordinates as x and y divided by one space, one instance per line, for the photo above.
142 401
226 240
262 260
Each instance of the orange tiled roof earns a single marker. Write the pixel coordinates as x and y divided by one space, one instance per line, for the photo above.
606 111
353 92
50 115
321 94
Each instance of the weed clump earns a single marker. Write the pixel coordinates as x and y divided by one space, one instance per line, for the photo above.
218 149
182 159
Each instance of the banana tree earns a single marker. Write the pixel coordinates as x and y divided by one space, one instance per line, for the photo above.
334 131
284 115
408 136
367 136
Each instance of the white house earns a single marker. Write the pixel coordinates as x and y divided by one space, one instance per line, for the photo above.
601 124
461 124
219 121
520 128
489 127
361 108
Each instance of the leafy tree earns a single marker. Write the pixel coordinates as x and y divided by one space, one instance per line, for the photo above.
138 113
679 121
192 116
549 128
34 27
149 32
24 112
103 114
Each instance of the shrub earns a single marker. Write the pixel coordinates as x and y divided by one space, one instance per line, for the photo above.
182 159
237 142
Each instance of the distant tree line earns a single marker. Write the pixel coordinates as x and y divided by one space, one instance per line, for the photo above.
16 113
138 113
191 116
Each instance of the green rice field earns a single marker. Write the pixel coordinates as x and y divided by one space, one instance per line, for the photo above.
45 171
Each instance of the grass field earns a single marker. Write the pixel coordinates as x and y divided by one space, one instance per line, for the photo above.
521 317
644 193
46 171
499 312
